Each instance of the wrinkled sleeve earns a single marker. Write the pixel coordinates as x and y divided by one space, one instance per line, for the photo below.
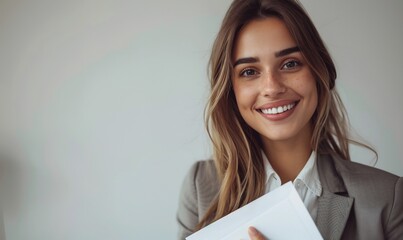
395 222
187 214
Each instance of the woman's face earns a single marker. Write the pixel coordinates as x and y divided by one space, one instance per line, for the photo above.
274 88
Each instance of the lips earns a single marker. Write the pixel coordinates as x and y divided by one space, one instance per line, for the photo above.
277 108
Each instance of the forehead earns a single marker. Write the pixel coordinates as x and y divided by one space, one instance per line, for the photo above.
262 36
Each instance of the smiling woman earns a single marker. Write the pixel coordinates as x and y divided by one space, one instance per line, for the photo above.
275 116
278 78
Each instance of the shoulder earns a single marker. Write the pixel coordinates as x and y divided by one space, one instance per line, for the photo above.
372 186
201 182
199 189
376 193
363 179
203 176
369 176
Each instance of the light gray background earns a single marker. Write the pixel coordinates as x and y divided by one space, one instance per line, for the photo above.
101 106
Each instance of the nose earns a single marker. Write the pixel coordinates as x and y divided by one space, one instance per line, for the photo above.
272 85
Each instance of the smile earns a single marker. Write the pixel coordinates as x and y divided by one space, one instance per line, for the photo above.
278 110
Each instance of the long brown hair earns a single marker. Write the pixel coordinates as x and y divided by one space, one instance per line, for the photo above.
236 146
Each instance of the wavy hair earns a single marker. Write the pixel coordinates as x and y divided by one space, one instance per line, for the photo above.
236 146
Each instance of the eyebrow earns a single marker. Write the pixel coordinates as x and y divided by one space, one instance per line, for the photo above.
281 53
287 51
246 60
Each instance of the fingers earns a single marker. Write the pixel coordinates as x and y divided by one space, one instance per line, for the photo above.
254 234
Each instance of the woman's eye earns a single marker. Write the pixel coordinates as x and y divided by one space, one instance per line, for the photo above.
248 72
291 64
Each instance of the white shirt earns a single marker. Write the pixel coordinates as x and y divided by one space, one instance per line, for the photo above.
307 183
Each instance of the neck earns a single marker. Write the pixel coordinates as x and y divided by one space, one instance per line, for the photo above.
288 157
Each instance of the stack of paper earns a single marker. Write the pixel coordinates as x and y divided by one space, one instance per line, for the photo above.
279 214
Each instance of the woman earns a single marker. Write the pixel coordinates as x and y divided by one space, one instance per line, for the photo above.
274 116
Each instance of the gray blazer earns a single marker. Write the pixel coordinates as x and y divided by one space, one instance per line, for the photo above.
357 201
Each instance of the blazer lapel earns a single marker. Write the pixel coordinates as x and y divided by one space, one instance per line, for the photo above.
333 208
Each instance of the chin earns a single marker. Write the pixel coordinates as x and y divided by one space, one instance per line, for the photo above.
276 137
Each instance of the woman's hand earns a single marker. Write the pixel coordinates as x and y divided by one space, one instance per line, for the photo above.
254 234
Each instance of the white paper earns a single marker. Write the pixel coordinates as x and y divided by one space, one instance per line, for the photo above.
279 214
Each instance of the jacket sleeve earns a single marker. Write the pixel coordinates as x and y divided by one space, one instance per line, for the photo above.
395 222
187 214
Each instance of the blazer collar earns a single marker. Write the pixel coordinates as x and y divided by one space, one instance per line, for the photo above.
334 205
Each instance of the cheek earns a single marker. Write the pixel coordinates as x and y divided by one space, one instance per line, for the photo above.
309 88
245 96
307 85
311 93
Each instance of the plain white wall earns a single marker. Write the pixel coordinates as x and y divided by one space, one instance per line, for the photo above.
101 106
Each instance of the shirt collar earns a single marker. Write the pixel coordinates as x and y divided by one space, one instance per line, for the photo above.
309 175
269 169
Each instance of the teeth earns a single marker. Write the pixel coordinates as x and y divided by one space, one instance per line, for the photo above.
280 109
